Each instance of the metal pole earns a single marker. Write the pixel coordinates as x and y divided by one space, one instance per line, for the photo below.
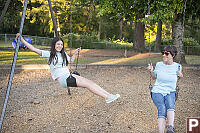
13 66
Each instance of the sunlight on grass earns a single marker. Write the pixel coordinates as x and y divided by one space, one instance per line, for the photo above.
3 44
28 57
24 57
27 53
11 53
73 50
124 60
86 60
4 53
26 61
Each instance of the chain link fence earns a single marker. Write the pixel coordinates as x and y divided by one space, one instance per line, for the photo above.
189 50
45 41
35 40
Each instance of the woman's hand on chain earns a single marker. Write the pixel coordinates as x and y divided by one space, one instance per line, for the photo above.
150 67
77 50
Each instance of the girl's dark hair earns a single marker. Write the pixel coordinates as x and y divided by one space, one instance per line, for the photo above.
172 50
53 55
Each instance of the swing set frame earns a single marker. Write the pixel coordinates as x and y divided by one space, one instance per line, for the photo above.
17 49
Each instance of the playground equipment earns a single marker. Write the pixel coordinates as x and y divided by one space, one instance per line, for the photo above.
21 45
13 66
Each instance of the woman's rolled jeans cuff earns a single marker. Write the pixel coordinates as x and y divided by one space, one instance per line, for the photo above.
164 103
166 115
161 117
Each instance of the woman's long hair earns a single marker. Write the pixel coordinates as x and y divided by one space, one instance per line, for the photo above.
53 56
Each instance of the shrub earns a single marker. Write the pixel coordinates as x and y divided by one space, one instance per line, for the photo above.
190 42
166 41
91 42
186 42
78 40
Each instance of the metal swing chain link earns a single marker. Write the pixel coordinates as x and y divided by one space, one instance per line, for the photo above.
70 38
177 84
150 85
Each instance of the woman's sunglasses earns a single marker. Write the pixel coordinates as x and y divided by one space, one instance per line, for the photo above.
166 53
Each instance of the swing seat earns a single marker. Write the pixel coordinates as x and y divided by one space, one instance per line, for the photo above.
75 72
71 81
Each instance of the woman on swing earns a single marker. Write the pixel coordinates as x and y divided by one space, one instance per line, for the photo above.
58 61
163 92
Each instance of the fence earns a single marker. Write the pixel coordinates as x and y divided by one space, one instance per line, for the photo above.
192 50
35 40
189 50
100 45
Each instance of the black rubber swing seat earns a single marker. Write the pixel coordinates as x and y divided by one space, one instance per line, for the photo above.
71 81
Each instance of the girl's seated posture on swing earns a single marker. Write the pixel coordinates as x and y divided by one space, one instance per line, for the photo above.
163 92
58 61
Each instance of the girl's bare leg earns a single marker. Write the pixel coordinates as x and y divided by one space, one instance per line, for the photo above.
90 85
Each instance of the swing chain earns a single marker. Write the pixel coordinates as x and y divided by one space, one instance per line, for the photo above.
150 85
177 84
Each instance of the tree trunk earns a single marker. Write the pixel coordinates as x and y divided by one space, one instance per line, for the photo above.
99 32
134 34
177 37
89 15
158 37
139 36
4 11
52 17
121 25
57 20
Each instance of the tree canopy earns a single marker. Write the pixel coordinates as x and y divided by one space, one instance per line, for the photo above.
124 20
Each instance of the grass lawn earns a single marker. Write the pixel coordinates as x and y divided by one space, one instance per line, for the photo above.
6 45
192 59
28 57
3 44
24 57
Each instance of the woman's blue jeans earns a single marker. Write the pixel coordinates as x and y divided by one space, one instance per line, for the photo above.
164 103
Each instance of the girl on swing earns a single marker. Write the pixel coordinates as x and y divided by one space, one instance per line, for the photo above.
58 61
163 92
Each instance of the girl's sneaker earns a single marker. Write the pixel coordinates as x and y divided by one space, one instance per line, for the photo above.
112 98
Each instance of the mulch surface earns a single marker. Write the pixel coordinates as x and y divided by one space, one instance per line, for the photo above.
39 104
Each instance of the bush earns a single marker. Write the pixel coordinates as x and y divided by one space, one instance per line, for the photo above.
166 41
91 42
79 40
186 41
190 42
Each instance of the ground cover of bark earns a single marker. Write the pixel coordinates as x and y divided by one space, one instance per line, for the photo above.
39 104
